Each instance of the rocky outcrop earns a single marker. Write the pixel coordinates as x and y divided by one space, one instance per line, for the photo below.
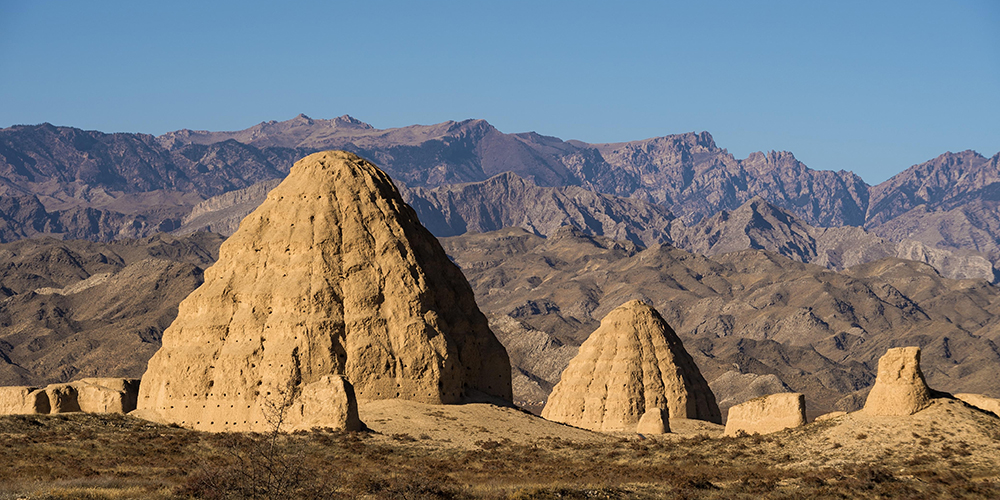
320 403
984 403
654 421
508 200
107 395
88 395
63 398
767 414
222 213
630 365
900 388
332 275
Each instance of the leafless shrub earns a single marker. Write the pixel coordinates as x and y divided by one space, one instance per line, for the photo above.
257 465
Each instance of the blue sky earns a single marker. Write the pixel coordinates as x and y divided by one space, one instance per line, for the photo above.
873 86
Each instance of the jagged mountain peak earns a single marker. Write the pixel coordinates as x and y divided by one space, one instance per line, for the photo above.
350 121
471 125
934 183
699 141
770 161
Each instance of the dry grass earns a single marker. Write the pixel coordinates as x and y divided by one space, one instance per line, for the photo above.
112 457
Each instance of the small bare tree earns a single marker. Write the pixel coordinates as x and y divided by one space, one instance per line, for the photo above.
260 466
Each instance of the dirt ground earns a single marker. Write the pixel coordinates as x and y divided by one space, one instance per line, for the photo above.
414 451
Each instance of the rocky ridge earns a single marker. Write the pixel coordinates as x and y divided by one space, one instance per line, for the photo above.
900 388
510 201
767 414
687 174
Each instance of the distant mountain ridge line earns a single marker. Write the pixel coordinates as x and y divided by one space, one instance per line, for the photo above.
868 200
136 184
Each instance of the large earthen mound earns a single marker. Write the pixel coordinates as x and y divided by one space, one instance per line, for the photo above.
633 363
332 275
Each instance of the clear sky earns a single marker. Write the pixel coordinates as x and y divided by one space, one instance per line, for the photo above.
868 86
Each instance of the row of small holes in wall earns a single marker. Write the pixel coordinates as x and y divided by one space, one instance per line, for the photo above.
213 423
202 407
379 394
206 396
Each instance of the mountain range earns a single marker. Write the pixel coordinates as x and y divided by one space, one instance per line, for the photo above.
507 200
687 173
71 183
778 276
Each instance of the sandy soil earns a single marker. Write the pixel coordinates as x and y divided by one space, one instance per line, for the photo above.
463 426
948 429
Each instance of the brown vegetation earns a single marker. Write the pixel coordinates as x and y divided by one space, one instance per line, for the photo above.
114 456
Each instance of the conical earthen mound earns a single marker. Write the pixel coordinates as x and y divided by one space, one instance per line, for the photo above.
332 275
633 363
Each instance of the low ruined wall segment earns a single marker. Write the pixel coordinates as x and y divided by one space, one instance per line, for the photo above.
767 414
89 395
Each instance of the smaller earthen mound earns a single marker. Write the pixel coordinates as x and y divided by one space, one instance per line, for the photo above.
984 403
900 388
767 414
633 363
654 421
89 395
